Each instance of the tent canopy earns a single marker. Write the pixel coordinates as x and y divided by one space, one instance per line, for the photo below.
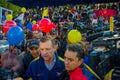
43 3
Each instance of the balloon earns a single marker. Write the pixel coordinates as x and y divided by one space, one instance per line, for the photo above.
10 23
74 36
53 25
45 25
33 22
44 22
46 29
23 9
9 17
7 25
5 29
29 26
35 27
15 35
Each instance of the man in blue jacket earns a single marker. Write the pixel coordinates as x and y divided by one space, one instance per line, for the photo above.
48 66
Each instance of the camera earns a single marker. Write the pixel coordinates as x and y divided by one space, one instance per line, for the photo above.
106 54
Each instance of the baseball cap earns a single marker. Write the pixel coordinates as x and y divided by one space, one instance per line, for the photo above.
34 43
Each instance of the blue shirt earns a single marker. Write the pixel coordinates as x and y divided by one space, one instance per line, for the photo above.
49 67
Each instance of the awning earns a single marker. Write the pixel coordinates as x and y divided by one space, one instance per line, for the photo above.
43 3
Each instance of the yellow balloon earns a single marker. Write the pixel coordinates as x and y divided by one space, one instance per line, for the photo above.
23 9
74 36
33 22
9 17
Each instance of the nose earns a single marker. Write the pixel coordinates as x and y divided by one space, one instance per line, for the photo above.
44 51
34 51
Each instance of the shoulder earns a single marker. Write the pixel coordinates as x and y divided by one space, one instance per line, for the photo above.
60 62
89 73
26 56
34 61
60 58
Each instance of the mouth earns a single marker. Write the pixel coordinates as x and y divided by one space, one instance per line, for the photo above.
45 56
66 66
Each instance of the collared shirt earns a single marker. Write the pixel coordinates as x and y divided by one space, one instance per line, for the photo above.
49 67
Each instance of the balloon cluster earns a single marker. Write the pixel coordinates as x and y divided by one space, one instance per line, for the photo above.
45 25
14 33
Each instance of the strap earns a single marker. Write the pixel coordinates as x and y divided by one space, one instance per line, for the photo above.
92 71
30 79
109 74
60 58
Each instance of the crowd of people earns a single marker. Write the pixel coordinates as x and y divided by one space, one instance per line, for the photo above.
50 56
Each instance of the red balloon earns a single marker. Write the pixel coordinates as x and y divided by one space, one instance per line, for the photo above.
47 29
53 25
7 25
44 22
35 27
5 29
45 25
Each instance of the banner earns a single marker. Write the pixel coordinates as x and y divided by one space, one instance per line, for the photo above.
106 13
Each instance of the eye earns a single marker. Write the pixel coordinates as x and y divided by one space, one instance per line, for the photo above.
71 60
41 49
48 49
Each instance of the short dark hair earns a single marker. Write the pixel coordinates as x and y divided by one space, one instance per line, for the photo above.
47 38
76 48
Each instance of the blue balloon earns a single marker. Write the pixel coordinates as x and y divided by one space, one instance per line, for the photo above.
15 35
29 26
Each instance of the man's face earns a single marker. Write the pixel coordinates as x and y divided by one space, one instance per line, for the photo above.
35 34
14 50
34 51
47 51
53 36
71 60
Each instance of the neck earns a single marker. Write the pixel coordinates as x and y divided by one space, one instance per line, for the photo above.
49 61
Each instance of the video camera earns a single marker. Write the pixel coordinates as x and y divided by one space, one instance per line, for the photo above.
106 54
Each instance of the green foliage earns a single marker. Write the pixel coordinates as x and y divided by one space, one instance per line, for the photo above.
14 8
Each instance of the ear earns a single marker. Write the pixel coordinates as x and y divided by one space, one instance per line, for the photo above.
54 50
80 61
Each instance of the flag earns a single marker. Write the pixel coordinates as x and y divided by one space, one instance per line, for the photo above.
45 13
